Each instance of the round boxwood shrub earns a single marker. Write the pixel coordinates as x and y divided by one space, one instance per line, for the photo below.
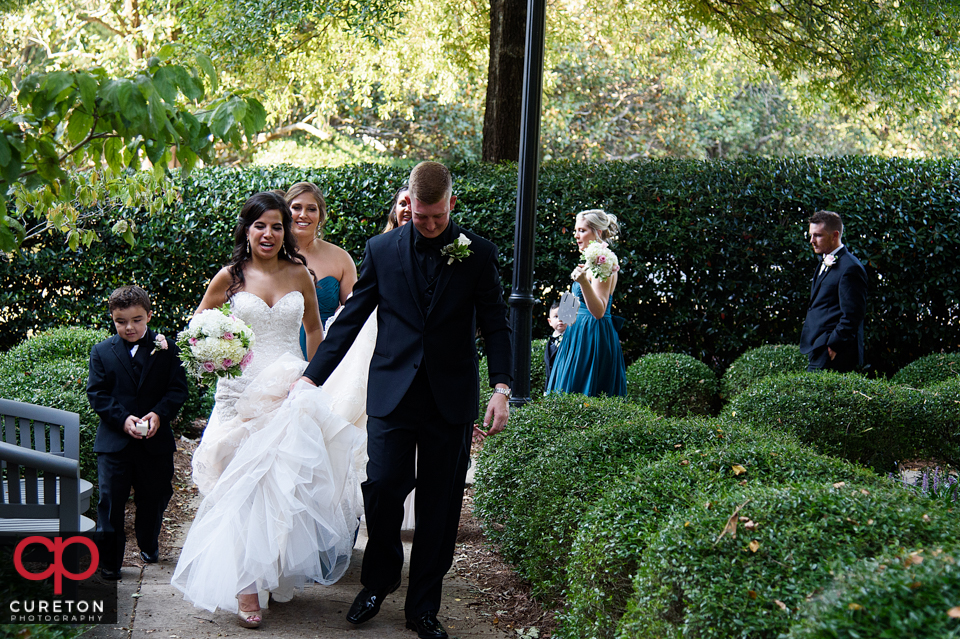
504 458
757 363
904 594
867 421
697 579
535 504
929 370
613 532
68 342
672 384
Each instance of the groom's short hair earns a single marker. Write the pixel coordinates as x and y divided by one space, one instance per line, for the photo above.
430 182
831 221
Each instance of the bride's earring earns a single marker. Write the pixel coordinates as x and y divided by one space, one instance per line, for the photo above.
249 250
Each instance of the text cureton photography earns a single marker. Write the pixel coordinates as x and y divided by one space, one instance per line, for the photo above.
54 579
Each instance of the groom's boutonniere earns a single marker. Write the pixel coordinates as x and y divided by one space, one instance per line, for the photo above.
159 344
457 250
829 260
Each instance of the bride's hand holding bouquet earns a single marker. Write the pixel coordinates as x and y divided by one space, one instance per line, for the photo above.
216 344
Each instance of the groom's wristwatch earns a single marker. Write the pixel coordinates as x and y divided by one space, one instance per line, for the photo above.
504 391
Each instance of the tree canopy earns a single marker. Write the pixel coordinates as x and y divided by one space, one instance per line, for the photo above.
91 91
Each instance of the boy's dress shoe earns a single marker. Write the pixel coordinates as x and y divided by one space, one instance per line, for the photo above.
110 575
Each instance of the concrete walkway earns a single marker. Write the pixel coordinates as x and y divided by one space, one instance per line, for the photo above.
151 608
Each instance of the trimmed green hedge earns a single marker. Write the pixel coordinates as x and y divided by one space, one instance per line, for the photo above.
929 370
613 533
757 363
695 581
672 384
533 485
868 421
713 255
903 594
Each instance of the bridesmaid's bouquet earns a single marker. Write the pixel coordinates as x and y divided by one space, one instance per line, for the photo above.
216 344
601 261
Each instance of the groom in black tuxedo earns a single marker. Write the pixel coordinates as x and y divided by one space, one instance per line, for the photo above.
433 285
832 336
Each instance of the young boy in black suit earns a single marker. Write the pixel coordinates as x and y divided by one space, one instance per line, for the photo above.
553 342
136 386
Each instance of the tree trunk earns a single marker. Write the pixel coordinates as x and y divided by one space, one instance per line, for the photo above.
501 120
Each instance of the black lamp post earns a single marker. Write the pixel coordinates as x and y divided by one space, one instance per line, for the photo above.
522 299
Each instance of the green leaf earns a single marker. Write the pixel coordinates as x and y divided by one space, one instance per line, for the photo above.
189 84
55 83
79 126
223 119
165 82
5 152
167 50
88 90
255 118
111 153
206 65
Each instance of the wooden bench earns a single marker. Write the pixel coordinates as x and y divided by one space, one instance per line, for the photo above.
40 471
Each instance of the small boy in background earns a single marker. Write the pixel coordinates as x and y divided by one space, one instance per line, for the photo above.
136 386
553 343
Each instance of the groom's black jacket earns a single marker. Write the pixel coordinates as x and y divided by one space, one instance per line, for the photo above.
838 302
442 336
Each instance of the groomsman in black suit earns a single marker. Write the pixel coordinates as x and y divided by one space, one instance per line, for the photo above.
832 336
553 342
433 284
136 386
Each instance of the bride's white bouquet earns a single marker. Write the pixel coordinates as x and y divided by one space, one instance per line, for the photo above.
216 344
601 261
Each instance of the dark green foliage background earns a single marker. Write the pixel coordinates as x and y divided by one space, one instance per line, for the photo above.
713 253
672 384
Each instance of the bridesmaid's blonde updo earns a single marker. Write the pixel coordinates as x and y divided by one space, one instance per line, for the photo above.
603 224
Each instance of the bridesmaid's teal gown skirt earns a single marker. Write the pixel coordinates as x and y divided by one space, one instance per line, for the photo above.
328 296
590 360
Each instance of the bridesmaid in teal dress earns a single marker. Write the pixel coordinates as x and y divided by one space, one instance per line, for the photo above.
590 360
333 268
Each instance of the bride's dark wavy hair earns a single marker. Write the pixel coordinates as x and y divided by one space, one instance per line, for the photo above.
252 209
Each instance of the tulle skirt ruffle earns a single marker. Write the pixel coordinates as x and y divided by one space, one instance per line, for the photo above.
281 494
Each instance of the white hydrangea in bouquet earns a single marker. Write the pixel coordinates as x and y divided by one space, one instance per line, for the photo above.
216 344
600 261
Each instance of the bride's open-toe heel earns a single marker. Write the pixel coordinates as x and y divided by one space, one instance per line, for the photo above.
248 618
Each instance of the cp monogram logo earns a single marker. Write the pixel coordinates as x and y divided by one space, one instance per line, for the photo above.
56 569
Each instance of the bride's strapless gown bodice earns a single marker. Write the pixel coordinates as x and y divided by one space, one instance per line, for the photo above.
276 330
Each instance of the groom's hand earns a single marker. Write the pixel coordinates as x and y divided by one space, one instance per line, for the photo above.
303 379
498 412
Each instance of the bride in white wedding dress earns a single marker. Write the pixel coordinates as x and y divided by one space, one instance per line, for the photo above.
279 468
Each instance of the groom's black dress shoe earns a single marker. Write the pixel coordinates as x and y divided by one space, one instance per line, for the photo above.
427 626
148 558
367 604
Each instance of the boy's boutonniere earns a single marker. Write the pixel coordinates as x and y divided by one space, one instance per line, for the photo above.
159 344
829 260
457 250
